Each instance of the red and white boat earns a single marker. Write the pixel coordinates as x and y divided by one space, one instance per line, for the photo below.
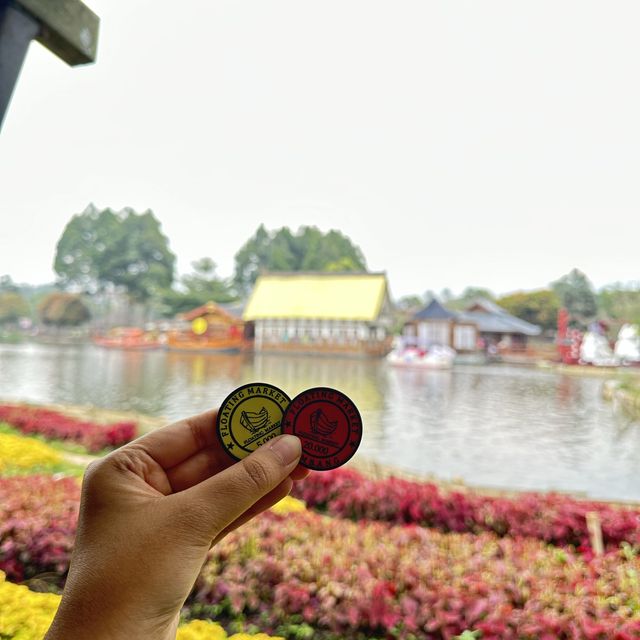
436 357
128 338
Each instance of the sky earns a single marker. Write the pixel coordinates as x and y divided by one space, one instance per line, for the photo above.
492 143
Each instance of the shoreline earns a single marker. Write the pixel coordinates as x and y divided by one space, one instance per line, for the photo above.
615 392
378 471
368 467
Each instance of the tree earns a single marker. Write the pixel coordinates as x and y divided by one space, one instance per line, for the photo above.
446 295
202 286
7 284
125 250
307 250
13 306
620 303
252 256
538 307
84 246
576 294
63 310
410 303
468 296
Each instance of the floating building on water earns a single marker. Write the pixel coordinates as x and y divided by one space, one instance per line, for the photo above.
209 328
330 313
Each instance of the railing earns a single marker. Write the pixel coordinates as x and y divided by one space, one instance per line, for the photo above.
361 347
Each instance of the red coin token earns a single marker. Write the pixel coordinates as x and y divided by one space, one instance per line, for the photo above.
328 424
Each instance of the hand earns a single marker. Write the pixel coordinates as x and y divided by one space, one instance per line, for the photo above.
149 514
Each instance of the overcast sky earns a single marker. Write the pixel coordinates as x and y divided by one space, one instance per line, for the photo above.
458 143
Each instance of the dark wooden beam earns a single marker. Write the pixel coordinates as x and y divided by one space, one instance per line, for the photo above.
17 29
68 28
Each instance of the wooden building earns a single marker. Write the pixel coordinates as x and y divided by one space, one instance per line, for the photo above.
208 328
330 313
482 324
496 326
436 325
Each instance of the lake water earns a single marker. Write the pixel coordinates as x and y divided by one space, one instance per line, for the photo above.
492 426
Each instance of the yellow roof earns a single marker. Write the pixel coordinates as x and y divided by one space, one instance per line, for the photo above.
317 296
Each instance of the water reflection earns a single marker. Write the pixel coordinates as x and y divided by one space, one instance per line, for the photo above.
491 426
362 379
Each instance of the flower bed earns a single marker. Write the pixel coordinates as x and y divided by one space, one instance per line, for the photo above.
363 580
206 630
557 519
19 454
25 615
288 505
54 425
38 517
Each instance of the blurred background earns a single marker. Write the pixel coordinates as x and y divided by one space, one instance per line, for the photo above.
430 206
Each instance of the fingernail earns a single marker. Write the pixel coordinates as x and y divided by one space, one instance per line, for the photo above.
287 448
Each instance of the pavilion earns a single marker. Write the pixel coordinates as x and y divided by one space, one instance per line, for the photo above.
482 323
346 313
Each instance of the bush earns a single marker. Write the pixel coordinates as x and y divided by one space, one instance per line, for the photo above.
63 310
54 425
556 519
38 517
26 615
205 630
363 580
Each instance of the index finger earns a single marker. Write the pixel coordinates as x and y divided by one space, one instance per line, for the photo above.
173 444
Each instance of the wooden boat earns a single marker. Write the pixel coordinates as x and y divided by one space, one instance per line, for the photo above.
207 329
128 338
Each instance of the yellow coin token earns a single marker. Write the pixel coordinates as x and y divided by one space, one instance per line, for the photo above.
250 416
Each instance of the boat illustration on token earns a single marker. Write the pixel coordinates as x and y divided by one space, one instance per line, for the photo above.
254 421
321 424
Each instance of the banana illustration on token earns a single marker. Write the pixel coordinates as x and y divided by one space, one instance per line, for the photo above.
250 416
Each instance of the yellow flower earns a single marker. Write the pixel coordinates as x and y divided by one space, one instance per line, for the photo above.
257 636
201 630
207 630
24 614
288 505
18 452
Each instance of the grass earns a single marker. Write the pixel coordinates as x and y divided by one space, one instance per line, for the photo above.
631 384
627 393
63 468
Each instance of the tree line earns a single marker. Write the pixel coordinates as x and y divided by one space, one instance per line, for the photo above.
105 252
616 303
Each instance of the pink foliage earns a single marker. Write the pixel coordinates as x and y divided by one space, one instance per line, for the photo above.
556 519
371 578
384 580
54 425
38 516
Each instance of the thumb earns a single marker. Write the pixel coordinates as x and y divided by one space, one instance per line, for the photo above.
231 492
